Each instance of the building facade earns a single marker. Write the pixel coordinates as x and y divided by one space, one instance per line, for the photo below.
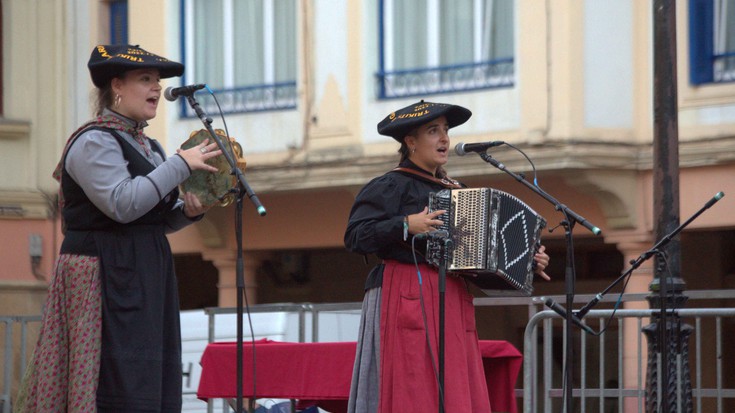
302 86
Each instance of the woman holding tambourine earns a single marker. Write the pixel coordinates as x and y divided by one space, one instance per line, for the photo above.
110 336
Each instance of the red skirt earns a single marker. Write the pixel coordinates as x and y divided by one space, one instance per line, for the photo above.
408 382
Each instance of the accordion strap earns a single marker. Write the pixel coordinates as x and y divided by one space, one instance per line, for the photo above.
446 182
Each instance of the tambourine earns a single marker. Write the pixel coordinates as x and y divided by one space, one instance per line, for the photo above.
214 188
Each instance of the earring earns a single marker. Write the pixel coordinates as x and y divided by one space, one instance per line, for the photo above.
413 150
118 98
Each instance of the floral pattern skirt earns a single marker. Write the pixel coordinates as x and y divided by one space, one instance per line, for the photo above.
63 372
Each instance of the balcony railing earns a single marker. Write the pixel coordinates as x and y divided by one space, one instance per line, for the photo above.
724 67
276 96
446 79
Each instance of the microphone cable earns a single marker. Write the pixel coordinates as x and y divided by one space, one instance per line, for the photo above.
619 301
224 122
533 166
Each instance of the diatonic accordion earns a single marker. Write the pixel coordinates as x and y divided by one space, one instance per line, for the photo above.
494 238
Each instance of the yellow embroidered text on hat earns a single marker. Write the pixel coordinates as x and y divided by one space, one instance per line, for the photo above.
108 61
399 123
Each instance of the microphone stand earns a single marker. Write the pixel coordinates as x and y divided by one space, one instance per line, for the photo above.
570 219
442 290
243 189
207 121
646 255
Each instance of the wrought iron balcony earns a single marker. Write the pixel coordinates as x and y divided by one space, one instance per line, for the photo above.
446 79
724 67
277 96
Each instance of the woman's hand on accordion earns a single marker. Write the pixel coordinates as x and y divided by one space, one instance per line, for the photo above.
196 156
424 221
542 261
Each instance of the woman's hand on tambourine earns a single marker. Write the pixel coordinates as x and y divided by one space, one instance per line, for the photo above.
192 206
542 261
196 156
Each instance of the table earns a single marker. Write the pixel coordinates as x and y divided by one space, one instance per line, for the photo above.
320 373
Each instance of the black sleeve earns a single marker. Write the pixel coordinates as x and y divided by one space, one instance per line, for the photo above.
376 222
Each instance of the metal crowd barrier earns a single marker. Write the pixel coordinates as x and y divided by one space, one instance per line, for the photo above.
543 381
9 323
539 389
302 310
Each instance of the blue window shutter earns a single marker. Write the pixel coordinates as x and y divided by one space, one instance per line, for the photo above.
701 43
119 22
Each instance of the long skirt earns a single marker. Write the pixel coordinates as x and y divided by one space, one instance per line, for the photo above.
64 368
110 339
396 365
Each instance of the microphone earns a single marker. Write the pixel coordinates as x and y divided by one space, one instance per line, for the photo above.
562 312
637 262
714 199
172 93
583 312
435 234
463 149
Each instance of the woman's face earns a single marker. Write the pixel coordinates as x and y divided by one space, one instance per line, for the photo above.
139 91
428 145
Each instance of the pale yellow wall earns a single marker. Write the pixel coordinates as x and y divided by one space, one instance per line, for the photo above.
148 27
36 92
36 95
46 93
550 71
609 181
533 68
643 93
566 74
308 191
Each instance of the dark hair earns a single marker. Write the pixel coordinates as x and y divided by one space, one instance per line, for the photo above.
405 152
104 99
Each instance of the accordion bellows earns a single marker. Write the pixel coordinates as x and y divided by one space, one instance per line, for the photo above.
494 238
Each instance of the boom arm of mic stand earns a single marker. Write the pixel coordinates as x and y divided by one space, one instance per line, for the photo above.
648 254
559 206
570 218
634 264
226 153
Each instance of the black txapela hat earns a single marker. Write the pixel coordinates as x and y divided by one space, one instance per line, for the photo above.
401 122
108 61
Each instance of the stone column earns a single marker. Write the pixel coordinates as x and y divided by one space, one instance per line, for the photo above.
638 283
226 263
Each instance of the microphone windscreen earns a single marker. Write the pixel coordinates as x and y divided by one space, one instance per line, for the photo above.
169 95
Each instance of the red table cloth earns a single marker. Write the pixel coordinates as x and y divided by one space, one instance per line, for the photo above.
321 372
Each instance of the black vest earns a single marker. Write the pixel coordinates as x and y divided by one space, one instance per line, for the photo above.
81 215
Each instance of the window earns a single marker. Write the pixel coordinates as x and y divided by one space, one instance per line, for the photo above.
244 50
119 22
712 41
442 46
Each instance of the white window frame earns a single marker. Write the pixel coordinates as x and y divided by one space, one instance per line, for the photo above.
723 68
432 35
233 91
433 76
